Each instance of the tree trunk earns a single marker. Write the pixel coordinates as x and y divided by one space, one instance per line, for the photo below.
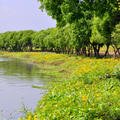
84 51
77 51
107 52
88 51
115 55
95 50
98 55
72 51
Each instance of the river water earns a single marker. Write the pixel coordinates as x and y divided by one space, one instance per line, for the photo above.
16 80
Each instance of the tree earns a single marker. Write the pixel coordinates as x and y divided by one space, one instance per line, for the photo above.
74 12
97 40
116 40
26 40
102 30
5 40
53 9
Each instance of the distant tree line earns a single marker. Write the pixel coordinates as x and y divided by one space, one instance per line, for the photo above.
71 39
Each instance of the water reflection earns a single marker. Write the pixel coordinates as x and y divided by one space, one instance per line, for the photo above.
16 79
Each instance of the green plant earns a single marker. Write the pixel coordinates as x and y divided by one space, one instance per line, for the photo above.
116 73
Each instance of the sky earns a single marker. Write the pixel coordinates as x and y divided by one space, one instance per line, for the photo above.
18 15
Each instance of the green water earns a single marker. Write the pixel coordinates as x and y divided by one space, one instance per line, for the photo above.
16 80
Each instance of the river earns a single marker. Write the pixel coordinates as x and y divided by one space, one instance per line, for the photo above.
16 80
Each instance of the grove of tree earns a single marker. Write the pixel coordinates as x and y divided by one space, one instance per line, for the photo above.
83 26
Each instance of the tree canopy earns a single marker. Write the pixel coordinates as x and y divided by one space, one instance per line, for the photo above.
65 11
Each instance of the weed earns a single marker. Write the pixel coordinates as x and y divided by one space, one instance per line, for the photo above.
116 73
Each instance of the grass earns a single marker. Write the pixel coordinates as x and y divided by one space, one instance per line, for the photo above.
87 88
103 49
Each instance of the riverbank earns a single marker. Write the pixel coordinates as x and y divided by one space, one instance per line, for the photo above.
48 62
84 88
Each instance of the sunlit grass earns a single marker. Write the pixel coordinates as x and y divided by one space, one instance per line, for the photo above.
103 49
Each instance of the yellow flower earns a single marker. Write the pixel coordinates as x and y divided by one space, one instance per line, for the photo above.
30 117
83 98
93 104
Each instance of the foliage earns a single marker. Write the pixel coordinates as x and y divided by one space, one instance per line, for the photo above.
72 10
96 36
16 41
116 39
116 34
116 73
